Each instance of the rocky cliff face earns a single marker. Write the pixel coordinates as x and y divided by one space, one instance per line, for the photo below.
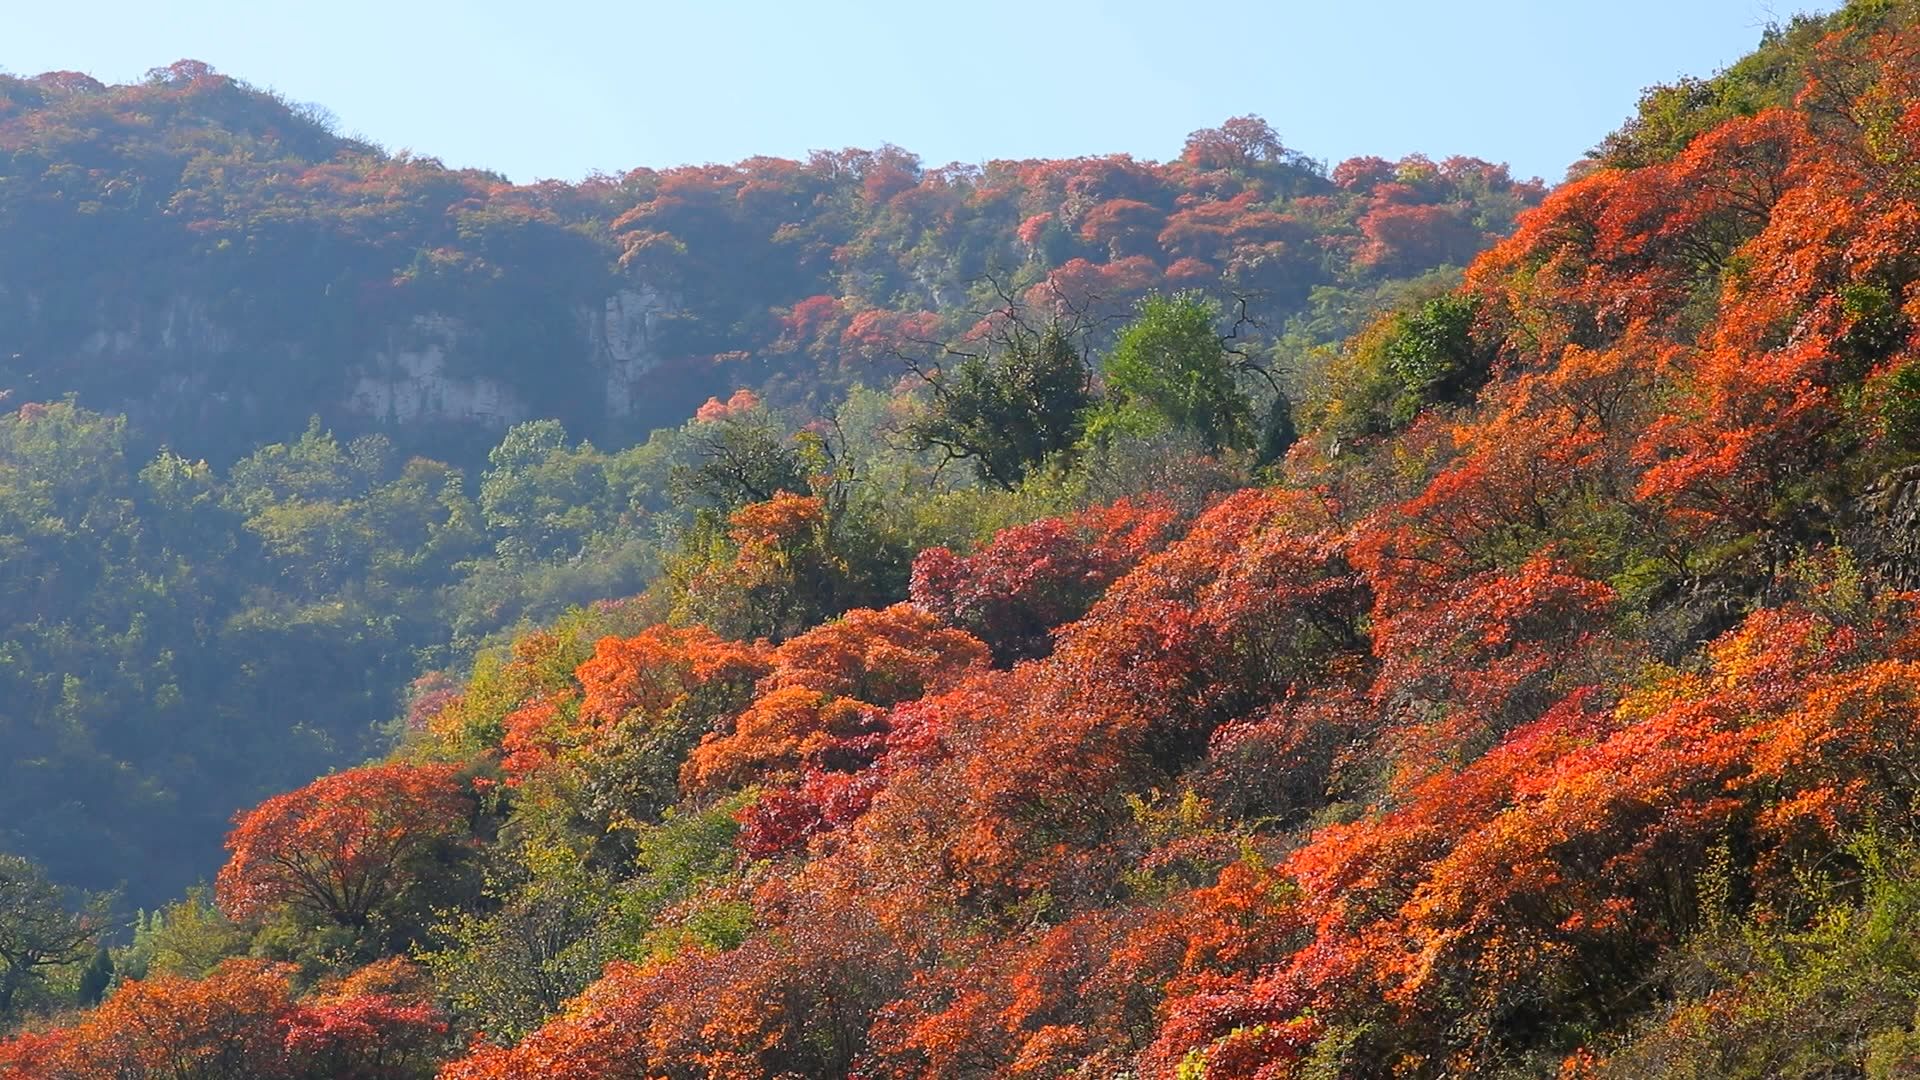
624 340
416 378
172 362
1885 530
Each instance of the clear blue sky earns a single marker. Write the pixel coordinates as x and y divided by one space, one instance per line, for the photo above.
559 88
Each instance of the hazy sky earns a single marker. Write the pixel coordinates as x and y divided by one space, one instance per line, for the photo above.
560 88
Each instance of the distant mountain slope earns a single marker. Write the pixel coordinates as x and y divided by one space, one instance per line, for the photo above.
220 265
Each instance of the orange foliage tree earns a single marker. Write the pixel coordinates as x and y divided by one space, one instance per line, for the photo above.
345 845
242 1022
824 699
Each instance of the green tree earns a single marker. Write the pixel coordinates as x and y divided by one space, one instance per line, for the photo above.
95 978
738 460
541 497
38 930
1278 432
1433 355
1009 410
312 468
187 938
1171 370
546 932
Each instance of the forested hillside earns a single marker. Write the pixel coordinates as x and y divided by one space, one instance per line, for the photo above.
1525 686
221 265
207 596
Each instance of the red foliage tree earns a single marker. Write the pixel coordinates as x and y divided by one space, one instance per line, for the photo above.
1400 236
345 845
1240 143
241 1022
1030 579
1123 226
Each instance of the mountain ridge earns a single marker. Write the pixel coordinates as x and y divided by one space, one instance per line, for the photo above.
372 283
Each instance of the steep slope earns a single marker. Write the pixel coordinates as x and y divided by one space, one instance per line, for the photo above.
1553 711
1479 734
